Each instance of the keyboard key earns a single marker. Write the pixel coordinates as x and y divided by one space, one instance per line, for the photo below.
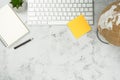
37 14
63 9
72 1
66 5
83 5
50 1
40 18
61 5
79 5
36 9
53 5
39 5
78 13
34 5
70 5
81 9
56 14
77 1
57 5
36 1
54 9
86 9
49 18
33 18
41 1
42 14
50 9
69 14
90 22
65 14
40 9
30 5
59 9
68 9
47 5
31 9
90 1
51 14
90 9
89 5
86 1
63 1
45 18
44 22
74 5
81 1
34 22
89 14
77 9
59 1
89 18
74 14
67 1
53 18
60 14
83 13
67 18
31 14
46 14
58 18
31 1
45 1
62 18
54 1
72 9
39 22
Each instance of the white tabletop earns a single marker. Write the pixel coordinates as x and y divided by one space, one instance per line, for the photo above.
54 54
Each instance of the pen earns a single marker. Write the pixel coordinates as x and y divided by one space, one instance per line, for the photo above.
23 43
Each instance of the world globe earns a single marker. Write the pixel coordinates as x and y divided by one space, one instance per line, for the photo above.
109 23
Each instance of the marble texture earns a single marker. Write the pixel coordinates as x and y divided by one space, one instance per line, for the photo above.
54 54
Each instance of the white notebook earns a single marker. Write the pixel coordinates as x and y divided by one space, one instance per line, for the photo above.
11 27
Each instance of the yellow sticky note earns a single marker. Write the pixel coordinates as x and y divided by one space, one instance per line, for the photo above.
79 26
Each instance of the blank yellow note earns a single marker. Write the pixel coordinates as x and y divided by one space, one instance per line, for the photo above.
79 26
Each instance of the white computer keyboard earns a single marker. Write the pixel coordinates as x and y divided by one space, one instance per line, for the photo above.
58 12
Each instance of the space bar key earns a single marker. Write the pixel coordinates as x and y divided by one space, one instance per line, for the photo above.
57 22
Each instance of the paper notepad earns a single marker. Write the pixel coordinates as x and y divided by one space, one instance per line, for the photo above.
79 26
11 27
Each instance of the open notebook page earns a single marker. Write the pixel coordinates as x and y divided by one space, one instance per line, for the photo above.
11 27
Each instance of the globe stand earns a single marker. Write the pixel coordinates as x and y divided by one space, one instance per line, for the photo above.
98 36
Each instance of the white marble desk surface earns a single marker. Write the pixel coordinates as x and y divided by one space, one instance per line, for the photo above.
55 55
